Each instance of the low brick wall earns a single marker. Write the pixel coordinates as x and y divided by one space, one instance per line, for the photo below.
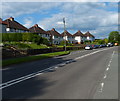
8 53
42 51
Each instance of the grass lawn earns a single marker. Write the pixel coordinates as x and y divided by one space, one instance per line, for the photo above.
35 46
31 58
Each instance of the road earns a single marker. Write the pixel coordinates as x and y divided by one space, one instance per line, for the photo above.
74 76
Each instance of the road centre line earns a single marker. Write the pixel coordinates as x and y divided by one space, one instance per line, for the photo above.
101 88
89 54
15 81
105 74
107 69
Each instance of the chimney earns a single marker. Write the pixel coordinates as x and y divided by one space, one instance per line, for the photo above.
0 20
11 19
36 25
53 29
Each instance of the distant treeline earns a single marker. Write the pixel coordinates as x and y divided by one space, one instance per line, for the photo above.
29 37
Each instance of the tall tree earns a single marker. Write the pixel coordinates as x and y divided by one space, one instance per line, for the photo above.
114 36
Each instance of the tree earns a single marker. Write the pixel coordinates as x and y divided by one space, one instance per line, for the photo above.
101 41
114 36
106 40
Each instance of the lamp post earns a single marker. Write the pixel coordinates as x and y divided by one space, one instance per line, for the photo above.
64 34
51 37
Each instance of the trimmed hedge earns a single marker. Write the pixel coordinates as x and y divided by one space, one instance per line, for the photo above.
29 37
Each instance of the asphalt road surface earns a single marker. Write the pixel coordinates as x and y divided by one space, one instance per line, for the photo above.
78 75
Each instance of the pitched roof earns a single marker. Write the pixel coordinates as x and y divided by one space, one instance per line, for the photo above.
11 23
3 22
37 29
79 33
88 34
54 32
67 34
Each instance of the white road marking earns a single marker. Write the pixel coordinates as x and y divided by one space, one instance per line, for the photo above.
107 69
101 87
56 67
105 76
90 54
15 81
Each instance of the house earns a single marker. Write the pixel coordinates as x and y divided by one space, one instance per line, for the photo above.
89 36
3 26
67 36
79 37
38 30
56 37
14 27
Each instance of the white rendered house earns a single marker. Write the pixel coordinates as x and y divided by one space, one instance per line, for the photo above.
68 37
89 36
79 37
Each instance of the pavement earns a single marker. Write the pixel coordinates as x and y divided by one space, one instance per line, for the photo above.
78 75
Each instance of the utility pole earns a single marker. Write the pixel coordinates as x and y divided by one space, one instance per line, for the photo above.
51 37
64 34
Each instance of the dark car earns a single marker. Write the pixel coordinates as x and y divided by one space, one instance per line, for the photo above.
94 46
97 46
100 46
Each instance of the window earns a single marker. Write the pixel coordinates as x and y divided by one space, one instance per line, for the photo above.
7 29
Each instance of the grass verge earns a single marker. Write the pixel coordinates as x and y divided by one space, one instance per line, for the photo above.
32 58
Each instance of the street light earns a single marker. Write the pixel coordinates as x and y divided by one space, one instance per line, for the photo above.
64 34
51 37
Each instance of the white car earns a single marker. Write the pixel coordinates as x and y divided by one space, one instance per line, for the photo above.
109 45
1 44
88 47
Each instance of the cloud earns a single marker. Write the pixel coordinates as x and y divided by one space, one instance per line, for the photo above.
96 17
28 22
61 1
19 8
84 17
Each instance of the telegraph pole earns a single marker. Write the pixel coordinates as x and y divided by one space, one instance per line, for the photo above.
64 34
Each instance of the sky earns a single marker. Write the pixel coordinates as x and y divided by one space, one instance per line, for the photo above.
99 18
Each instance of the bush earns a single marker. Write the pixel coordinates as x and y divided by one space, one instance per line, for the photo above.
63 43
45 41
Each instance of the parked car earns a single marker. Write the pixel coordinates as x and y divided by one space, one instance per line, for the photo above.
94 46
1 44
100 46
97 46
88 47
116 44
110 45
104 45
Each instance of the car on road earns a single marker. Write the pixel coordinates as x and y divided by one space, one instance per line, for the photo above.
88 47
110 45
94 46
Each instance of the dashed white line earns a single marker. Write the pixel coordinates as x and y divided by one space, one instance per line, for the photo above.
105 76
107 69
101 88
